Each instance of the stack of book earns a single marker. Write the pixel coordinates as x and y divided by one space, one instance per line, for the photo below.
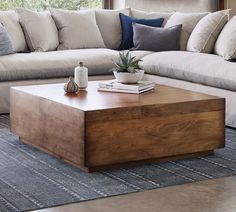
114 86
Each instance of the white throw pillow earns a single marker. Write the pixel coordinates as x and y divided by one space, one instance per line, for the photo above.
9 19
40 30
226 43
188 21
109 24
150 15
77 29
206 32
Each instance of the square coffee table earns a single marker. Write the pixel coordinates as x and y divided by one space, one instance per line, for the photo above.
95 130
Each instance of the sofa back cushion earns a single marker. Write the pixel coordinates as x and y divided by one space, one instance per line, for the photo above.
77 29
188 22
109 25
226 43
9 19
150 15
5 42
127 28
156 39
40 30
206 32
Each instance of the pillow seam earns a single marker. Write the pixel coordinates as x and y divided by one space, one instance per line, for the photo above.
211 34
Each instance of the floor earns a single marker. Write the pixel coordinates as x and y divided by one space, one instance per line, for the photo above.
206 196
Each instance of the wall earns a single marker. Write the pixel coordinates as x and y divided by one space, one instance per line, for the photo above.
119 4
158 5
232 5
169 5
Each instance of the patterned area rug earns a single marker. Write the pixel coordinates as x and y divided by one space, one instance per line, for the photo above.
30 179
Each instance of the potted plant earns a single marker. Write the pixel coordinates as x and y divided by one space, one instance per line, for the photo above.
127 69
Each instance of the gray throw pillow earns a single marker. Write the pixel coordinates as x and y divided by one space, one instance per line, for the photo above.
5 42
156 39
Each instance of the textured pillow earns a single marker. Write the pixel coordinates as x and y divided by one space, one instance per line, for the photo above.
9 19
108 22
5 42
206 32
156 39
226 43
40 30
127 28
188 21
150 15
77 29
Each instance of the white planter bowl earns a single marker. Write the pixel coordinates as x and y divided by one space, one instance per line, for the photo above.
129 78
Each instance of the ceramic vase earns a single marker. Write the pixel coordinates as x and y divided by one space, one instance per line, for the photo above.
71 86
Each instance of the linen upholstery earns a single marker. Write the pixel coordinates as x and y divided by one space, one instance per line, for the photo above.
188 22
139 54
206 32
207 69
9 19
150 15
109 25
156 39
45 65
40 30
226 43
42 65
77 29
5 42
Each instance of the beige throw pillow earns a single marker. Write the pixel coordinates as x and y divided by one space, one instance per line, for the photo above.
109 24
188 21
150 15
40 30
226 43
77 29
9 19
206 32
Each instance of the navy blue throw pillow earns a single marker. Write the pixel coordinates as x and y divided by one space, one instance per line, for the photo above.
127 28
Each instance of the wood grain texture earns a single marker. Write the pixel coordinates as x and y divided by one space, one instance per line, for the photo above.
48 125
142 162
92 100
145 138
94 130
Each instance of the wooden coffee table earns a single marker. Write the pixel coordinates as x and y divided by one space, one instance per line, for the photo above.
95 130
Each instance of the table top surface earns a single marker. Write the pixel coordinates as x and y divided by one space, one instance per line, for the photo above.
91 99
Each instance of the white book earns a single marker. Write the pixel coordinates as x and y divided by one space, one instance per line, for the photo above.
113 84
125 91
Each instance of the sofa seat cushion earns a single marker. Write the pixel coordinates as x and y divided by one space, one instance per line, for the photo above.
55 64
207 69
139 54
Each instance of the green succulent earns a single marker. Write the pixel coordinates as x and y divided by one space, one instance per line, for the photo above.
127 63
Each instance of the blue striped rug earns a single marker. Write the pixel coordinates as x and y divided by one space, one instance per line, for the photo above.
30 179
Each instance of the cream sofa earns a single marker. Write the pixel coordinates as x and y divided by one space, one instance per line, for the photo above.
206 73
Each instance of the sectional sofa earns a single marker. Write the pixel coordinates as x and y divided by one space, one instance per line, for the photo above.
203 72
